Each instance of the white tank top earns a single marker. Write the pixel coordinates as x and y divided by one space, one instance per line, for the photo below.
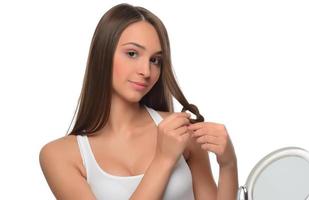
107 186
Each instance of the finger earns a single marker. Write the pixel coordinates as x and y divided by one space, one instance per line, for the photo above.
196 126
200 125
179 114
175 115
207 131
187 114
190 132
198 133
179 122
185 136
208 139
203 131
180 131
211 147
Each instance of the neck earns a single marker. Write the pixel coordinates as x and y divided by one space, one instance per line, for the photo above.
124 117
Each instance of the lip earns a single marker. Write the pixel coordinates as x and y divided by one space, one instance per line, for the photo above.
138 86
138 83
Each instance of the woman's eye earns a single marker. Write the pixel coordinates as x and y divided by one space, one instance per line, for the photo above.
131 53
156 60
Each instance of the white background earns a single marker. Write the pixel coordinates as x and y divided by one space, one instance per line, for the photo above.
243 63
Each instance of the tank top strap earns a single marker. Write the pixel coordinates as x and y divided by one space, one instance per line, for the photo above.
85 152
154 115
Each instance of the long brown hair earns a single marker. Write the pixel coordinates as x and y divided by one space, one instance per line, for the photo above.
95 98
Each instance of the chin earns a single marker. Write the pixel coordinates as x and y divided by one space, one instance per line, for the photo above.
133 97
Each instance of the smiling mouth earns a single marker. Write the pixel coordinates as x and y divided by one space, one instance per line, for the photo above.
138 83
138 86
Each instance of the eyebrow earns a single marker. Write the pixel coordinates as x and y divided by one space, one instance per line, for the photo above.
140 46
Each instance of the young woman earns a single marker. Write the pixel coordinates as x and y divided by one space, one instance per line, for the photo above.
127 141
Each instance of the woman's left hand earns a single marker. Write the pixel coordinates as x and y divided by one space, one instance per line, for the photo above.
214 137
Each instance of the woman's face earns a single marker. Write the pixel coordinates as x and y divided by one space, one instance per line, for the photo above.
137 61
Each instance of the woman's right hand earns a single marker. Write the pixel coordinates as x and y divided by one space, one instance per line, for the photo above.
173 136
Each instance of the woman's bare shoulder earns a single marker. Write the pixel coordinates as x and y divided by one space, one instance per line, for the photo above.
65 148
61 144
59 160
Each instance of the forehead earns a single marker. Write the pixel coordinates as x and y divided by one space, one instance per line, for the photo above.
142 33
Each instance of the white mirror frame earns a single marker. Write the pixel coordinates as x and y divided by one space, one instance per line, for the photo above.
246 192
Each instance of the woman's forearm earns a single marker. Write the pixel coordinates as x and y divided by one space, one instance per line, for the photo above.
154 181
228 183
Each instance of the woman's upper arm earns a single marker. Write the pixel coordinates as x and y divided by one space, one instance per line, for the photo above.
204 186
64 179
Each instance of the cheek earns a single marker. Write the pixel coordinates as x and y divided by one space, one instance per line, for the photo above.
119 67
157 75
155 78
116 70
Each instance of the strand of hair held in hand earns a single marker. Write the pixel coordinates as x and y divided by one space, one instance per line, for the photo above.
192 108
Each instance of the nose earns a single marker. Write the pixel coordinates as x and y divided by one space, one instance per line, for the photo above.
144 68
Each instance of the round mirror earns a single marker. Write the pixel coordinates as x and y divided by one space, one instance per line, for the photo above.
282 174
